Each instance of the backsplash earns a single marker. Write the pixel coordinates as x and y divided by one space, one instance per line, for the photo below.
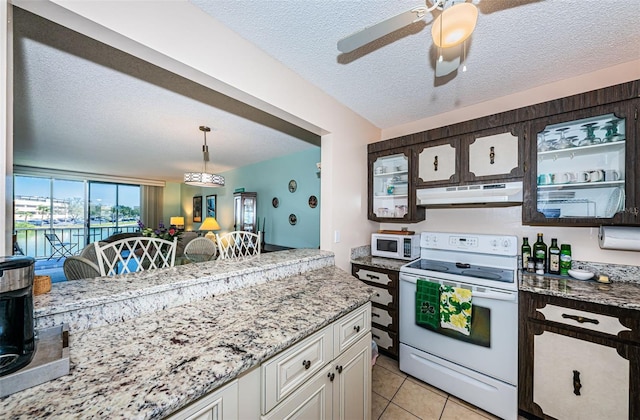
361 251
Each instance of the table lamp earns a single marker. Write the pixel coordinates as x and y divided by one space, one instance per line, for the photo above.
177 221
209 224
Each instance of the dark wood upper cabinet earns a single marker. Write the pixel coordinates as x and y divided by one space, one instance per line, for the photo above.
568 177
582 167
391 180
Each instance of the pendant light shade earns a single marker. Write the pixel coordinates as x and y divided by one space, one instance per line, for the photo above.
454 25
204 179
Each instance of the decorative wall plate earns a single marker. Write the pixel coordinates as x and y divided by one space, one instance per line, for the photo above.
293 185
275 202
313 201
293 219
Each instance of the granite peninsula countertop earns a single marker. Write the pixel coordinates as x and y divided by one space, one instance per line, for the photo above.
90 303
155 364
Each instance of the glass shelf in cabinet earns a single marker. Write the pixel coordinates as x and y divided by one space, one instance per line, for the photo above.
385 174
581 185
592 148
391 196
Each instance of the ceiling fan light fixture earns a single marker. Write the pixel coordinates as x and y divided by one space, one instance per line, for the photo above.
454 25
204 179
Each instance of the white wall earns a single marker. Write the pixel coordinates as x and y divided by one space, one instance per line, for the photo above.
508 220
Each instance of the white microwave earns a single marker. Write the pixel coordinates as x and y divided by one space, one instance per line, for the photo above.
401 247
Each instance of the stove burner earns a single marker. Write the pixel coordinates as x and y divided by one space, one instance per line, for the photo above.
434 267
481 274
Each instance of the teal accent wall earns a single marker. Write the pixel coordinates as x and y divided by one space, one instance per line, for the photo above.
269 179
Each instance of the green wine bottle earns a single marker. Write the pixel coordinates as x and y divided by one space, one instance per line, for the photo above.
540 250
554 257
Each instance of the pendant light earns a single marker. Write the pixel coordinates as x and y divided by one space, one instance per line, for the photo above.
204 179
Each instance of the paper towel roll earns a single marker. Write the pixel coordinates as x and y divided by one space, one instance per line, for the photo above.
620 237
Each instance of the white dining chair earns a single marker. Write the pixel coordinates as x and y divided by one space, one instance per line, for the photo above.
238 244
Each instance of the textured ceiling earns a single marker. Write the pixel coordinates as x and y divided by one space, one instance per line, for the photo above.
517 45
76 99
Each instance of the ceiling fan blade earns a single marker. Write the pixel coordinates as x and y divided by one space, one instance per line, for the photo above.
373 32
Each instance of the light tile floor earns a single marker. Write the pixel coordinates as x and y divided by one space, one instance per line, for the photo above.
397 396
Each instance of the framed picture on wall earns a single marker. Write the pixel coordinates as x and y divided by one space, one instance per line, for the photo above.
197 209
211 206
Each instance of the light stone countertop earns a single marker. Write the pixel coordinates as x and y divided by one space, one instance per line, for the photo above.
624 294
379 262
90 303
623 291
155 364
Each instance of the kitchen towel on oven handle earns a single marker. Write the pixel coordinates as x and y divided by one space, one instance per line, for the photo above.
455 309
427 303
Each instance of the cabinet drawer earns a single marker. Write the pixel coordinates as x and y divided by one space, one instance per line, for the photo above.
382 296
373 277
382 317
383 339
348 329
583 319
285 373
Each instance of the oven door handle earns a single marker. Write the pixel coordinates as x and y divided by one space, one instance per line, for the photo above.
510 297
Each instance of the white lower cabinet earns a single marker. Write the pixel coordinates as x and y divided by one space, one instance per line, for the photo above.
341 390
222 404
326 376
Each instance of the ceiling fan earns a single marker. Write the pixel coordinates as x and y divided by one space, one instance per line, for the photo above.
451 28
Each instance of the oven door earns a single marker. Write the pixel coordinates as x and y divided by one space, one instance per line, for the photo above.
492 346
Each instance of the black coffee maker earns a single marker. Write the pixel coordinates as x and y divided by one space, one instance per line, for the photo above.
17 337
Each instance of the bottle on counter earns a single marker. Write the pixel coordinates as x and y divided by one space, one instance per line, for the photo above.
540 251
526 253
565 259
554 257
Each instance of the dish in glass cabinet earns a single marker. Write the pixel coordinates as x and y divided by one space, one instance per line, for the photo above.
615 203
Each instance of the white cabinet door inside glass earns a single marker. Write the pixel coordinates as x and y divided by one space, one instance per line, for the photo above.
581 168
391 186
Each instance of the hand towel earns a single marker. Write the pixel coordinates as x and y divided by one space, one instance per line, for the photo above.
455 309
427 298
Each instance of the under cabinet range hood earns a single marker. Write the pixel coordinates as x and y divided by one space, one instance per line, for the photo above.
490 195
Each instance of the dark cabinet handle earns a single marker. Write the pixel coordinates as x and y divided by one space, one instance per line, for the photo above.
356 328
581 319
306 364
435 163
339 369
331 376
492 155
374 314
371 276
576 382
375 336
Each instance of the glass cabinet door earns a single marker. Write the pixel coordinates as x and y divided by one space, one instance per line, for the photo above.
391 186
581 168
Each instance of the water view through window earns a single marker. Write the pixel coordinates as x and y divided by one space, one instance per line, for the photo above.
78 212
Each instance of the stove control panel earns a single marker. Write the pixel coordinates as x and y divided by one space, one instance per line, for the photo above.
473 243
